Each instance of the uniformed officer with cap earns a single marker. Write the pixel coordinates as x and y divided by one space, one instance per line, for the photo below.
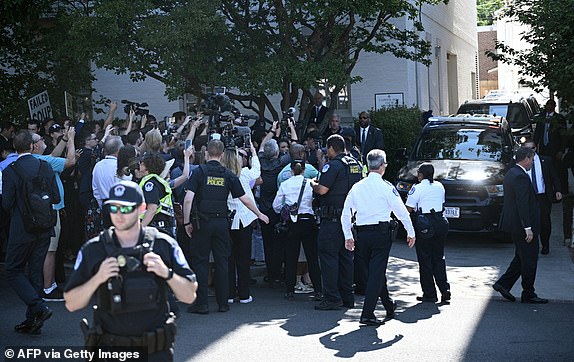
337 178
130 269
370 202
206 192
427 199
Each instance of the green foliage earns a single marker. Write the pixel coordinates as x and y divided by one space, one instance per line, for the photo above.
35 57
401 126
259 47
485 11
548 63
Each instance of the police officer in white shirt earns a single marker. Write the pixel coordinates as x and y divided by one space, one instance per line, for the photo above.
427 199
302 230
371 202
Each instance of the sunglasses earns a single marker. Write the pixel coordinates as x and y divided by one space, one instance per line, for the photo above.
122 209
39 139
363 117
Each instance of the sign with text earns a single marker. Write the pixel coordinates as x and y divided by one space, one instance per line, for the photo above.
389 100
68 99
39 106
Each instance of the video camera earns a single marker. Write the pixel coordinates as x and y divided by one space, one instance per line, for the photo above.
236 136
284 122
139 108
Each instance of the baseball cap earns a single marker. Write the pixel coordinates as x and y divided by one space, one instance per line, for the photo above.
55 128
125 193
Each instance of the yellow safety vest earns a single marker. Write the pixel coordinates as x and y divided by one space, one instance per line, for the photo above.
165 203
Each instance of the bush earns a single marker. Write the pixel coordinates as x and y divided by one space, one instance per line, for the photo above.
400 126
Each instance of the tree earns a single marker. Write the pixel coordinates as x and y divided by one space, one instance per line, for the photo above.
257 47
35 57
548 62
485 10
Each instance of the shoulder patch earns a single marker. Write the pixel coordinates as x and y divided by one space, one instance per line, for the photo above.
78 260
395 192
325 168
148 186
412 190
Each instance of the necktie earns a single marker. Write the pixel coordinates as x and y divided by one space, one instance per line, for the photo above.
546 129
363 139
533 174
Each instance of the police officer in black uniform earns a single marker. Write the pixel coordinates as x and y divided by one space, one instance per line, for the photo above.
209 186
337 178
129 268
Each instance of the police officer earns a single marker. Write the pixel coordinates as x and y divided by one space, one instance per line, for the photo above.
337 178
370 202
129 268
427 199
158 195
209 186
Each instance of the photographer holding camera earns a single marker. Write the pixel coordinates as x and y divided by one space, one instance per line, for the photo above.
130 269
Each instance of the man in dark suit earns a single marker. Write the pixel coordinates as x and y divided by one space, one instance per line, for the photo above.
547 187
521 219
370 137
317 111
26 248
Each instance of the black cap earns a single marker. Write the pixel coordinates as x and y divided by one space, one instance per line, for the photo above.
126 193
55 128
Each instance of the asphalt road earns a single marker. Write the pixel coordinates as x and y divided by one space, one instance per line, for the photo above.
478 325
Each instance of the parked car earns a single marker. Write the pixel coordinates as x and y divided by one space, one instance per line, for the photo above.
470 155
518 111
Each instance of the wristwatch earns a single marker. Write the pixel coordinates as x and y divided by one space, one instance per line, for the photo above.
169 274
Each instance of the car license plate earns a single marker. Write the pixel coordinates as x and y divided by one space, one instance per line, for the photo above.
452 212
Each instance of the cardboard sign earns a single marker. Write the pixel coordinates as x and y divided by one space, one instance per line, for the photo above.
39 106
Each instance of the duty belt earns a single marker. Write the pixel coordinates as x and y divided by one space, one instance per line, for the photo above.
154 341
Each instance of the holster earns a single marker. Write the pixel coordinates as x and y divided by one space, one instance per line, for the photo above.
91 335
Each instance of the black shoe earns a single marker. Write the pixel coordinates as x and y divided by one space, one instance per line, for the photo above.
534 300
198 309
252 281
544 251
34 324
427 299
55 295
276 284
223 308
390 306
326 305
350 304
289 296
505 293
445 297
316 297
371 321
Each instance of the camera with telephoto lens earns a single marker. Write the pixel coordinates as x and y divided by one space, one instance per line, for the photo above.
284 122
139 108
236 136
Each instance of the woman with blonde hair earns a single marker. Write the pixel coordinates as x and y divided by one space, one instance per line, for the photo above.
238 161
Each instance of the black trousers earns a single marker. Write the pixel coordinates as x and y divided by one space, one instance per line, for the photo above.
373 248
212 236
21 252
273 247
240 262
336 263
430 255
302 232
522 265
545 221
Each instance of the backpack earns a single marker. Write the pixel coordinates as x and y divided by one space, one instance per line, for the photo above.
36 192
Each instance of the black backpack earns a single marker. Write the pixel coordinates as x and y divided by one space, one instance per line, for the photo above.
36 192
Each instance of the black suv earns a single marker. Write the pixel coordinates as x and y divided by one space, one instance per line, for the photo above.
519 111
470 156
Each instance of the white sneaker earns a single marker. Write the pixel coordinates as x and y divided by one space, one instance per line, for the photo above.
245 301
230 301
304 289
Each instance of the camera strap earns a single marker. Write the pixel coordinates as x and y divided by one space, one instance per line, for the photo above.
300 196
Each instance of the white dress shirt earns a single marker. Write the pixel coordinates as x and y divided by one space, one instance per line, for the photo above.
104 177
289 194
373 199
242 213
426 196
539 178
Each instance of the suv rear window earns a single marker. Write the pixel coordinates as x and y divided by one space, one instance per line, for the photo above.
464 143
515 113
